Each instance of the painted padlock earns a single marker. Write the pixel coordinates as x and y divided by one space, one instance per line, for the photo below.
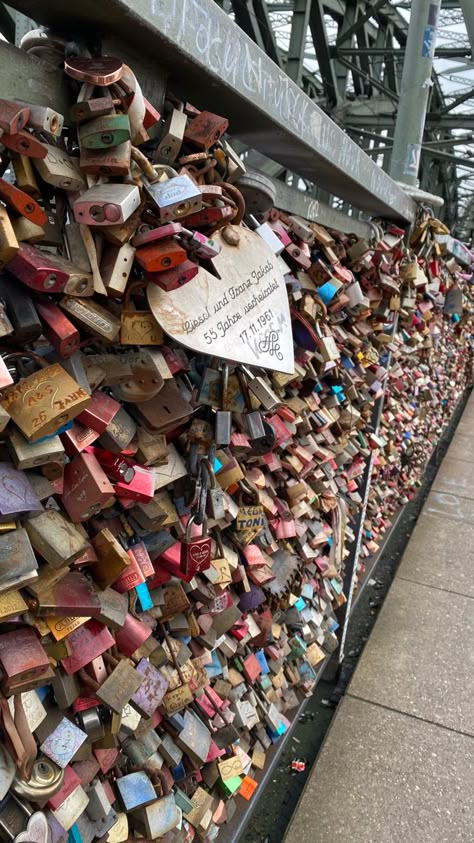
49 273
195 552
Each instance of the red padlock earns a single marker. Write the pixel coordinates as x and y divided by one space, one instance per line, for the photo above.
195 552
210 216
87 488
25 144
140 488
130 577
100 411
78 438
143 558
62 334
205 129
172 279
13 116
115 465
22 203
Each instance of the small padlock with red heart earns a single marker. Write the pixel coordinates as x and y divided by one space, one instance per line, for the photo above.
195 552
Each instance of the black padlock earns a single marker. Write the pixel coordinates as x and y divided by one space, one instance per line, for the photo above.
20 310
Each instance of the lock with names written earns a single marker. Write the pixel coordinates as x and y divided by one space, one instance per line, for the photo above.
195 551
131 651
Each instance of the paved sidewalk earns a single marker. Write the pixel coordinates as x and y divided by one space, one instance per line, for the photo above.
397 765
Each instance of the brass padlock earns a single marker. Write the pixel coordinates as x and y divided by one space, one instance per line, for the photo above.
8 241
138 327
44 401
92 316
250 519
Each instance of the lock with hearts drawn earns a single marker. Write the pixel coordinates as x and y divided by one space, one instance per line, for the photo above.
195 552
138 327
42 402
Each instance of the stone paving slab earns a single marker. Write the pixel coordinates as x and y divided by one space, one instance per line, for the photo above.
462 447
447 505
420 656
456 477
466 424
383 777
440 554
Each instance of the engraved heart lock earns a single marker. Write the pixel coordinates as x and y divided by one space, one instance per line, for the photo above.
138 327
37 830
195 552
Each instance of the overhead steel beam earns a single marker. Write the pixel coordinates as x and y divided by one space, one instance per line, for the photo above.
467 7
468 95
440 52
246 18
359 23
299 27
427 149
347 21
386 120
321 46
207 55
268 37
366 76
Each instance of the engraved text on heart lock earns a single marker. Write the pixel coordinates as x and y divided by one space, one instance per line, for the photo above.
198 554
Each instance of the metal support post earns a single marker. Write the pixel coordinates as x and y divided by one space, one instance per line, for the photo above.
416 85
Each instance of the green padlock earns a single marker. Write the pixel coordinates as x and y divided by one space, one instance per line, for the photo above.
104 132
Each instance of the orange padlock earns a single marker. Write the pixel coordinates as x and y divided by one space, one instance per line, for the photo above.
161 255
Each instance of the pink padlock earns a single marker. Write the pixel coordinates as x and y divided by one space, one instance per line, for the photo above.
151 235
5 376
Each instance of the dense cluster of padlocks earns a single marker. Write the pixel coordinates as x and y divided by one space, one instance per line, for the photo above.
188 379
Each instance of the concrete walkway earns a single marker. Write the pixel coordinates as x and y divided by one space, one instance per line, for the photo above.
397 765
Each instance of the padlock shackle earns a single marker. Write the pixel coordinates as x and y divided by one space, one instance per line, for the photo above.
22 355
143 163
225 385
163 169
190 523
218 541
234 193
212 477
132 288
247 489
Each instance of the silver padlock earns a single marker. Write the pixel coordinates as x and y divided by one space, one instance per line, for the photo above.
174 198
261 390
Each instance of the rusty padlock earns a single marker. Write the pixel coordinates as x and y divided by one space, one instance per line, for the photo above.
138 327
